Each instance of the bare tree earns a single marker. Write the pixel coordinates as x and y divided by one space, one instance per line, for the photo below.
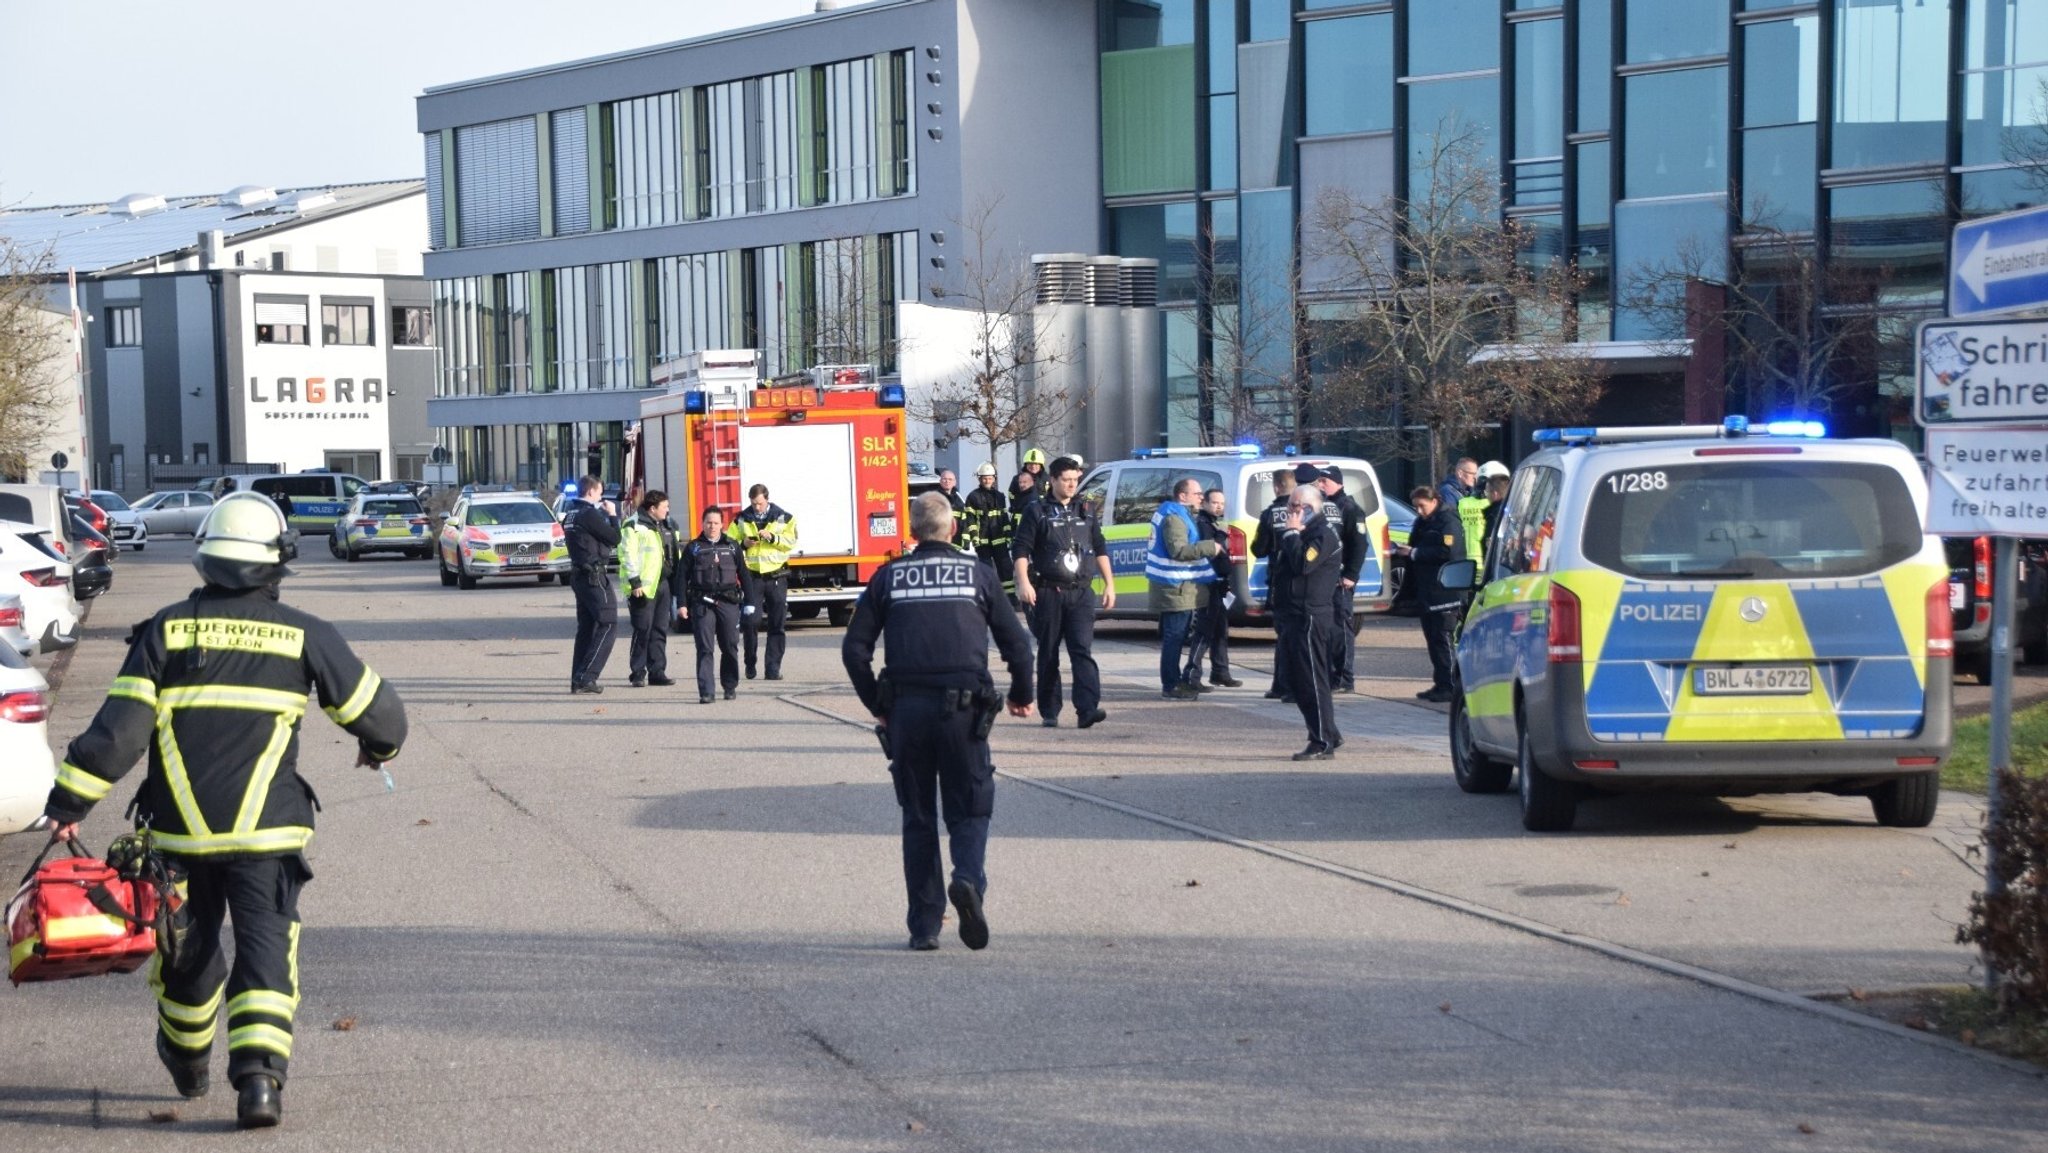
33 369
1006 390
1248 388
848 317
2025 144
1462 329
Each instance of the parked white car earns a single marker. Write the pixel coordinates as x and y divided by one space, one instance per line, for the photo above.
32 568
14 625
173 513
27 769
124 526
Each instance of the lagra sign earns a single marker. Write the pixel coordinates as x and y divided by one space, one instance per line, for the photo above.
1982 372
314 397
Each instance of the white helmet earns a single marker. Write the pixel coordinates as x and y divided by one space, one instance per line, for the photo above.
986 469
1491 469
243 542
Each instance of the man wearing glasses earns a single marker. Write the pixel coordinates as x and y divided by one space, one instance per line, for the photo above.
1307 565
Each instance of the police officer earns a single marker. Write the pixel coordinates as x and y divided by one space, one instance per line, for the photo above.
213 687
643 553
1307 569
935 609
767 537
1272 522
591 539
713 588
989 521
1348 520
1060 550
1438 537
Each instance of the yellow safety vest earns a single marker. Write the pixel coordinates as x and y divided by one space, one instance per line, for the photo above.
640 554
766 539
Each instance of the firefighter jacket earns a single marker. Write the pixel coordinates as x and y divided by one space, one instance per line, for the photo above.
988 518
711 570
766 538
641 552
213 688
934 611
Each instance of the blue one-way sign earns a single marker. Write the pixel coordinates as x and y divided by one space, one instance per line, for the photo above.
1999 264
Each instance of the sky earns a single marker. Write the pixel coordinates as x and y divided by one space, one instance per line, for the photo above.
102 98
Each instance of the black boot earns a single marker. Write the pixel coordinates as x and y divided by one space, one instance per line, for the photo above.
261 1104
190 1076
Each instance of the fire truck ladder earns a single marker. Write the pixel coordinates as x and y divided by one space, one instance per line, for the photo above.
722 457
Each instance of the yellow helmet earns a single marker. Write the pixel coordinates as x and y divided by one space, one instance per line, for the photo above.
1035 456
243 542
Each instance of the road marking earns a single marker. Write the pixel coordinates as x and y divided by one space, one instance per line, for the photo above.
1652 961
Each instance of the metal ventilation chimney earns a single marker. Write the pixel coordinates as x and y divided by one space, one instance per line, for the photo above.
1059 326
1144 374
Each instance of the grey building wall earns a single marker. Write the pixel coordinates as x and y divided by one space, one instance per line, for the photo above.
409 375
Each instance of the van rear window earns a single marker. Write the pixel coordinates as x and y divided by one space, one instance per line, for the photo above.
1750 519
1258 491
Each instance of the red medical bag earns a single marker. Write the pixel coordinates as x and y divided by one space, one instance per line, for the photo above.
78 917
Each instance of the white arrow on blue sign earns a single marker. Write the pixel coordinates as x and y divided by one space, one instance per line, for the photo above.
1999 264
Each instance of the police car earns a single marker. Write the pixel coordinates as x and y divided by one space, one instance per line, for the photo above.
1713 608
501 534
376 522
1127 492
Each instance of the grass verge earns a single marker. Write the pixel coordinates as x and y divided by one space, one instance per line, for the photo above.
1968 767
1959 1013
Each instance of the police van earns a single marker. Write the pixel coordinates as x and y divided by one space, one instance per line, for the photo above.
1127 492
318 498
1714 608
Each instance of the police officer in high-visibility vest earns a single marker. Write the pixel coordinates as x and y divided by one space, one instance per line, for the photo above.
213 689
713 588
1060 551
934 705
988 521
767 536
643 554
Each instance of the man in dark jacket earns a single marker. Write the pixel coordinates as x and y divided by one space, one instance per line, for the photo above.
712 587
213 688
1348 521
989 522
1437 538
1463 482
1307 565
591 537
1211 636
1272 522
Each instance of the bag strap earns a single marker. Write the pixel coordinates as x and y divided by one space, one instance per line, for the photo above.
71 842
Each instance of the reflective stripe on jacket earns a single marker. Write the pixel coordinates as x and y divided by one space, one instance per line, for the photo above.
1472 518
641 551
766 538
213 689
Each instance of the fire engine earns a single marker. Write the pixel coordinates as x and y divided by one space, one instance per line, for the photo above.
828 443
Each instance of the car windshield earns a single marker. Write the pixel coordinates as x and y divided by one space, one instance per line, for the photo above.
391 507
1750 519
510 512
110 501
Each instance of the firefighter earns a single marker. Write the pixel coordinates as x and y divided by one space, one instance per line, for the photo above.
988 522
642 553
767 536
591 539
1034 468
214 687
1060 547
935 609
712 590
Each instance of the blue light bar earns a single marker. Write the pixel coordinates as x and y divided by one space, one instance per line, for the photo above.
891 396
1563 435
1811 429
693 402
1735 426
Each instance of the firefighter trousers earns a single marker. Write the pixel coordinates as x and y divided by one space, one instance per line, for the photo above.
259 896
648 654
769 596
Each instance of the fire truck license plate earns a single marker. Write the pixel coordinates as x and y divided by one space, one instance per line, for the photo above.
881 526
1756 680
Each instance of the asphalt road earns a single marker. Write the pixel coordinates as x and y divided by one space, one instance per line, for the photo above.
632 921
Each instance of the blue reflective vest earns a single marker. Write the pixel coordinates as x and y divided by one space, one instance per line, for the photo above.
1160 565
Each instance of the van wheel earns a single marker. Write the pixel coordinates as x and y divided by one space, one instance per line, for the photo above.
462 578
1548 804
806 612
1907 802
838 615
1475 771
352 555
447 578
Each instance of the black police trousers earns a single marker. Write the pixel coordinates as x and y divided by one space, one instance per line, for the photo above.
260 897
1066 614
1210 640
1306 643
716 623
770 598
1437 627
1344 636
648 655
939 768
597 614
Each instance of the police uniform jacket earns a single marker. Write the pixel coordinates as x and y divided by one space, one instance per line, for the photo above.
1348 520
1435 540
591 537
934 611
1049 530
1272 522
712 570
214 688
1306 568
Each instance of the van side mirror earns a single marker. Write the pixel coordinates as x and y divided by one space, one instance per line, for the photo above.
1458 576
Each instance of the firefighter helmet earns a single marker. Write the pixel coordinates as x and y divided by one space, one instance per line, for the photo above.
986 469
244 542
1035 456
1491 469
